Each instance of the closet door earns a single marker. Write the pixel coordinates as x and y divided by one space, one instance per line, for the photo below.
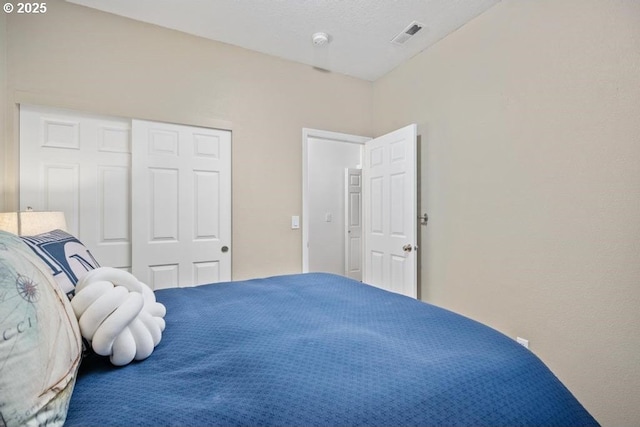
181 204
80 164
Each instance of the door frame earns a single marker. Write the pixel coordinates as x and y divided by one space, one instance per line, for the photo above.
307 135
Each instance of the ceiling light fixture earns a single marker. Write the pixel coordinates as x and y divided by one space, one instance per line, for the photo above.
320 39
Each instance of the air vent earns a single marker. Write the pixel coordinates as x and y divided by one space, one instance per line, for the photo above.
407 33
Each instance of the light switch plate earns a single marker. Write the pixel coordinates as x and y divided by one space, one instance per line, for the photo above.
295 222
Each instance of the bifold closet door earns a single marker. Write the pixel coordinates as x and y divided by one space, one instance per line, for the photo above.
181 204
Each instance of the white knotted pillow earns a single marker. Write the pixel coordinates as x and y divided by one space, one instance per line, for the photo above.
118 315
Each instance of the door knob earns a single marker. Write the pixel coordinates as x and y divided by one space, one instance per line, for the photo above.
225 249
407 248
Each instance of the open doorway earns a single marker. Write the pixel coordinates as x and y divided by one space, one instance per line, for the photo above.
326 156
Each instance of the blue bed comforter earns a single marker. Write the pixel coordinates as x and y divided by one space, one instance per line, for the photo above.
318 349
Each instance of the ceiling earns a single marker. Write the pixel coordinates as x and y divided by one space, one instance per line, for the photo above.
360 31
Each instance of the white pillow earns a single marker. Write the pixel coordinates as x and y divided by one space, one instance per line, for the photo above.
118 315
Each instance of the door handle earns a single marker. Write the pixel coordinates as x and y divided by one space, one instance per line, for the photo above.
407 248
224 249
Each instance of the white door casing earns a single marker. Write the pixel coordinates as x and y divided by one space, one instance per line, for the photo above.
390 211
181 204
353 223
80 164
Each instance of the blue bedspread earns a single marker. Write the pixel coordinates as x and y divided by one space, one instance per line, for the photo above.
318 349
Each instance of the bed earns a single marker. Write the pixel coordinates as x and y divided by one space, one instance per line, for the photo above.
319 350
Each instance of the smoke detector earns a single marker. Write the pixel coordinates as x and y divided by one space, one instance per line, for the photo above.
407 33
320 39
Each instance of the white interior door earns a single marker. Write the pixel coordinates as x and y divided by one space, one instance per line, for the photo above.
390 211
353 223
80 164
181 204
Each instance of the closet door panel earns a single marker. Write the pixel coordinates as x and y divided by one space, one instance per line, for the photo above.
181 204
80 164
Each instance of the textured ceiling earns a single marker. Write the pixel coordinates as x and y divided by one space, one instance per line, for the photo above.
360 30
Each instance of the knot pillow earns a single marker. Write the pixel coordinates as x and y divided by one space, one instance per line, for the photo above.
118 315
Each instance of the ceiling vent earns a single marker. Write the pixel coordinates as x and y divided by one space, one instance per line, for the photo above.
407 33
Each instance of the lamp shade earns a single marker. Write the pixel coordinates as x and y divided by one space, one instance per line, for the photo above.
9 222
30 223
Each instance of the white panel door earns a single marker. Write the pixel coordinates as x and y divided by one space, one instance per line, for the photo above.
80 164
353 223
390 211
181 204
